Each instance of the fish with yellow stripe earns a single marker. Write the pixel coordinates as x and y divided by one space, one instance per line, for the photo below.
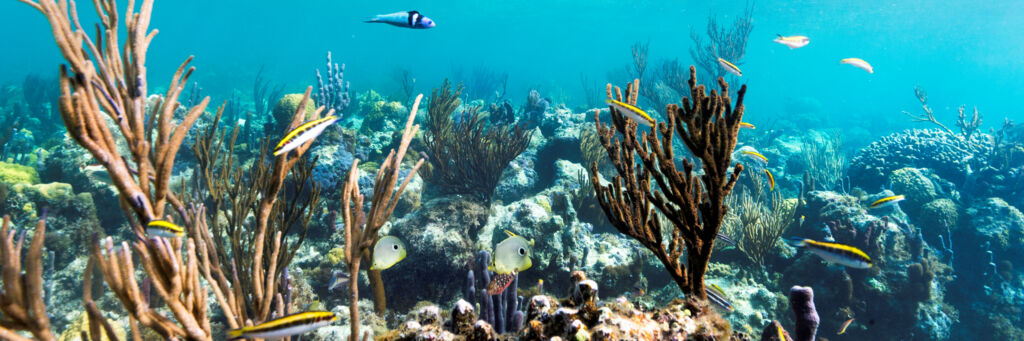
632 112
730 67
794 42
859 63
888 201
746 125
303 133
836 253
717 296
771 179
289 325
163 228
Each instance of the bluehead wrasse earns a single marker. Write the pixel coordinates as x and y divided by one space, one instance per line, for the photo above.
632 112
756 156
842 330
717 296
860 63
836 253
293 324
303 133
730 67
771 179
726 239
888 201
746 125
407 19
166 229
794 42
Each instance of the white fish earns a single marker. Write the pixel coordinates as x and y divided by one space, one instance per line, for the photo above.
632 112
408 19
836 253
860 63
730 67
388 251
303 133
294 324
512 255
794 42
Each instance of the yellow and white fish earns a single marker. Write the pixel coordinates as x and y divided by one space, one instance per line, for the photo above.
794 42
746 125
860 63
388 251
303 133
836 253
717 296
888 201
842 329
512 255
771 179
632 112
730 67
163 228
750 155
289 325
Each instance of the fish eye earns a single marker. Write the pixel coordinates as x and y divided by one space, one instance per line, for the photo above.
522 251
395 247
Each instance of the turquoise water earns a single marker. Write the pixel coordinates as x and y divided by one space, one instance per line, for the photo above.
938 212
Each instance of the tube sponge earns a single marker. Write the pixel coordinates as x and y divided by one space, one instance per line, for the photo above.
801 299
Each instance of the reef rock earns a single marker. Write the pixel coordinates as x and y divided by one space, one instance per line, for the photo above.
1000 225
946 154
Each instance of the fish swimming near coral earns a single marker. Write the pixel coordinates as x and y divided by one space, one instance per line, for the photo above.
794 42
407 19
726 239
860 63
717 296
730 67
836 253
749 154
339 280
631 112
163 228
289 325
771 179
888 201
388 251
500 282
842 330
303 133
512 255
746 125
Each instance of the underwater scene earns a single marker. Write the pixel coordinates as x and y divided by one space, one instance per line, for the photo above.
511 170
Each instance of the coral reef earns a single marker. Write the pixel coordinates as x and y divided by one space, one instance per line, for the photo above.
946 154
332 92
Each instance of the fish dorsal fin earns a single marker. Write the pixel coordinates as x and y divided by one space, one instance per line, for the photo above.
414 12
780 36
509 233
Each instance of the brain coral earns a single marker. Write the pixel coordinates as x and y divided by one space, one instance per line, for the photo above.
946 154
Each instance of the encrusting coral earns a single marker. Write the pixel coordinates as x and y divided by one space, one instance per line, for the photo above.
694 204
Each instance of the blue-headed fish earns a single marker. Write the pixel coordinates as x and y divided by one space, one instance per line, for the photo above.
407 19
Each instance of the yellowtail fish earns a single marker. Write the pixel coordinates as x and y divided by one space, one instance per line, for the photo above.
771 179
730 67
303 133
860 63
746 125
836 253
500 282
388 251
166 229
842 330
632 112
717 296
285 326
512 255
888 201
755 157
794 42
782 332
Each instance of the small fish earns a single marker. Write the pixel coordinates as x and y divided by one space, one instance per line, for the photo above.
303 133
802 218
339 279
730 67
294 324
388 251
746 125
166 229
860 63
512 255
717 296
500 282
755 157
888 201
842 330
836 253
540 285
771 179
782 332
794 42
632 112
408 19
726 239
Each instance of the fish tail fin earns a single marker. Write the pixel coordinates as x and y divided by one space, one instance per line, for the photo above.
372 20
796 241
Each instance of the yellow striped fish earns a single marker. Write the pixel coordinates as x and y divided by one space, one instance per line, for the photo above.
842 330
163 228
303 133
794 42
755 157
632 112
746 125
860 63
771 179
285 326
717 296
730 67
888 201
836 253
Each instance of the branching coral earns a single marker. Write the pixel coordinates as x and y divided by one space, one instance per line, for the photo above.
825 161
707 125
968 126
729 43
466 155
759 238
21 300
926 114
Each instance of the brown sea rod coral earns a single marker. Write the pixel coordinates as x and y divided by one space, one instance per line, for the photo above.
693 203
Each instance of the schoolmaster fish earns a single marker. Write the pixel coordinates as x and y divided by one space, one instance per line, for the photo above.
407 19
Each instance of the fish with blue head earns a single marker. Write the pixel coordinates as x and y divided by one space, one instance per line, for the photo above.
407 19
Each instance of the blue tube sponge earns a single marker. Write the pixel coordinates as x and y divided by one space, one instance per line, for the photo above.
801 299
